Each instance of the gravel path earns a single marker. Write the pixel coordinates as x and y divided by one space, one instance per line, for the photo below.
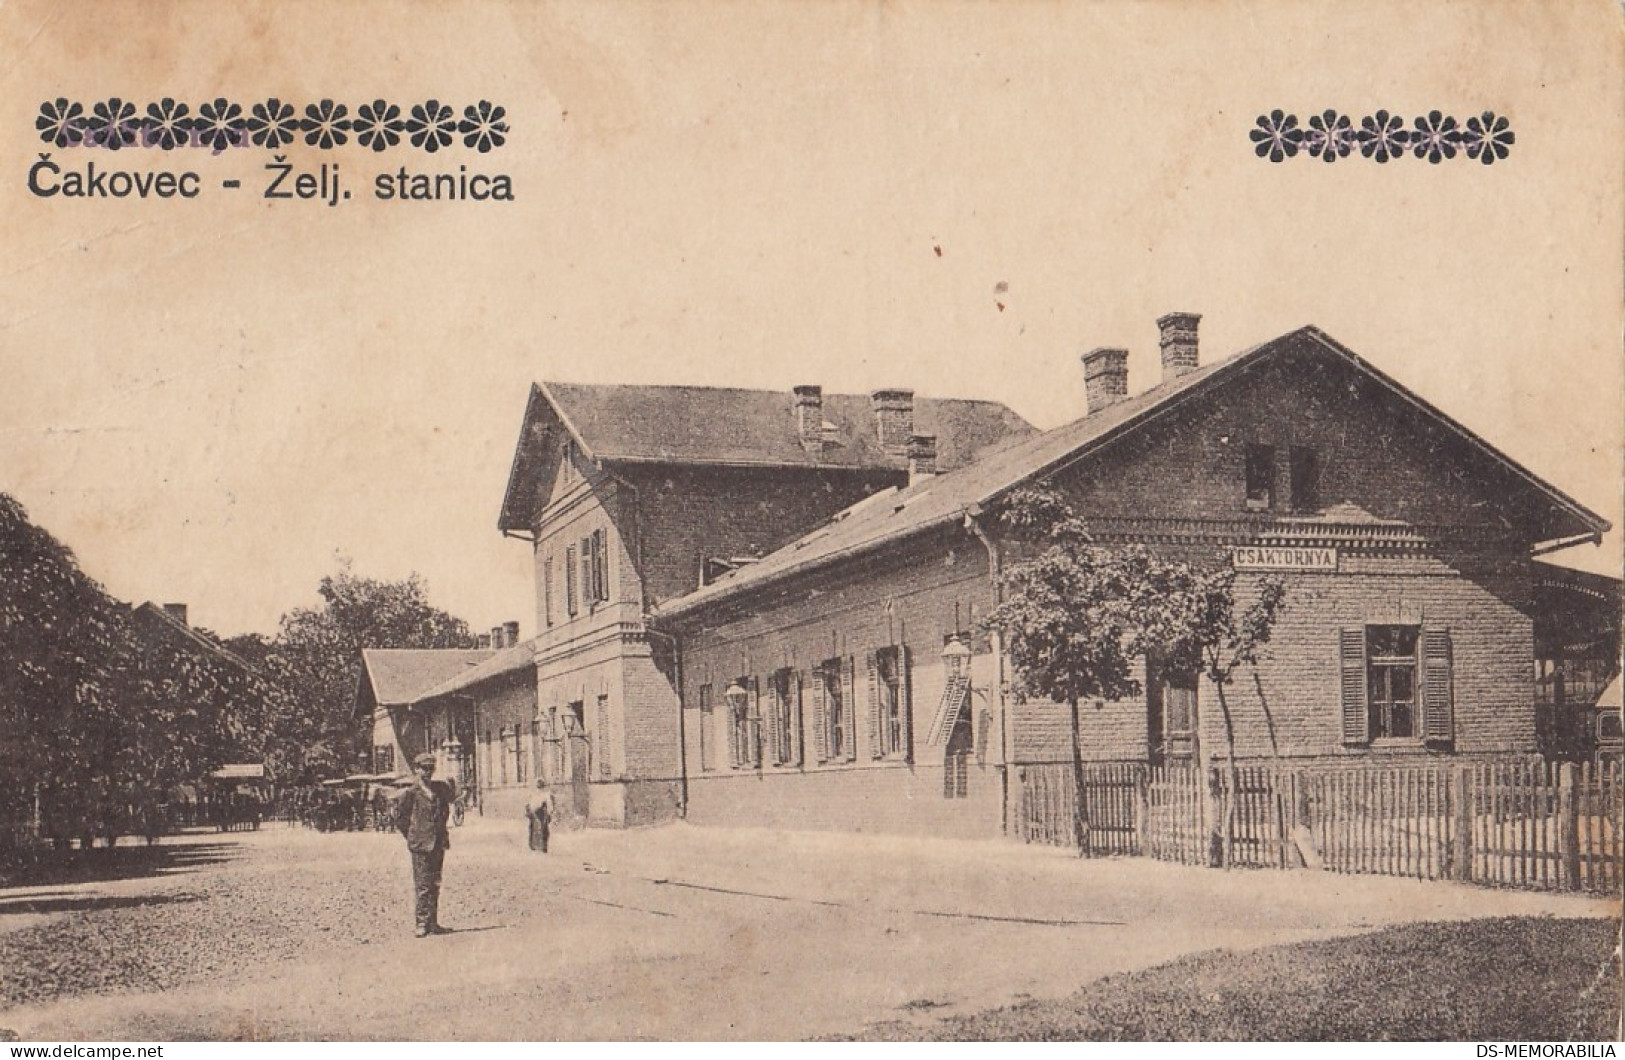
672 934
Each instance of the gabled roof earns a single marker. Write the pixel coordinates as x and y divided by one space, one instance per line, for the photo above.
393 677
152 617
520 657
945 499
715 426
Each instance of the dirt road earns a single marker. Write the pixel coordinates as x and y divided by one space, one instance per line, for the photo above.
675 933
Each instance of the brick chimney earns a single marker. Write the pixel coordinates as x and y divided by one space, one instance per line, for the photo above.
177 612
1105 377
497 642
922 457
1178 343
510 633
810 417
894 420
483 642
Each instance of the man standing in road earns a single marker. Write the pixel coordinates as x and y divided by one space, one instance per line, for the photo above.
421 818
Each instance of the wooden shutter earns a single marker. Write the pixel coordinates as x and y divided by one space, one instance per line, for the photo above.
570 579
547 590
820 715
905 706
1438 713
876 748
797 752
1351 648
600 567
849 698
775 705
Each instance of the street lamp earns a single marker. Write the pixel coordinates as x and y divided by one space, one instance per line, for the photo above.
955 656
738 699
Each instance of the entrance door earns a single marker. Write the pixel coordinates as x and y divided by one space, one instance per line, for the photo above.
580 761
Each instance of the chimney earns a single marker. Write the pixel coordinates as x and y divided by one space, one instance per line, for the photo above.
1178 343
177 612
810 418
894 420
510 634
497 643
1105 377
922 457
483 642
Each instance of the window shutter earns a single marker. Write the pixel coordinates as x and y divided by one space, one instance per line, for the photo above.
1356 726
753 728
796 750
1438 713
547 590
570 579
849 696
820 717
876 749
905 693
600 567
775 708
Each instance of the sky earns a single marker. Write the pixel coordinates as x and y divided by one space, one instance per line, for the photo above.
219 400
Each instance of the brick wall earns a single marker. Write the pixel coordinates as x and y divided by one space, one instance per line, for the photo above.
687 513
504 703
913 602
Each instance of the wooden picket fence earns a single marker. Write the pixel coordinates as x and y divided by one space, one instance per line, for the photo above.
1515 823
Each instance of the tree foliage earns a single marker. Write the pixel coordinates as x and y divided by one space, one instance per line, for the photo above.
314 666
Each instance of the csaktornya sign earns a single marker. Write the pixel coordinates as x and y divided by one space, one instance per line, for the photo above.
1270 557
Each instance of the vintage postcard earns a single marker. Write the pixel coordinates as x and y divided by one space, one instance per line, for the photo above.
741 520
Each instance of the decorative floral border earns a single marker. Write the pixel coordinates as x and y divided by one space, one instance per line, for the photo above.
1382 137
115 124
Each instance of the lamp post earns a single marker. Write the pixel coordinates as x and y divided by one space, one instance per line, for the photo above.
451 751
956 657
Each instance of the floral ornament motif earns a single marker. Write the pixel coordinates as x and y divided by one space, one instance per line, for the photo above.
1488 138
113 125
220 125
431 126
272 124
1382 136
167 124
1330 136
325 124
1436 137
482 126
1277 136
378 125
61 123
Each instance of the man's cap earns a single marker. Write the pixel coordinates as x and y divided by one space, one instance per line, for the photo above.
424 759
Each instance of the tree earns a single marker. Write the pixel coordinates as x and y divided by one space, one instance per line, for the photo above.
1077 617
313 666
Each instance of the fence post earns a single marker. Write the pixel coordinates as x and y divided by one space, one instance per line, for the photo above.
1461 845
1568 826
1142 812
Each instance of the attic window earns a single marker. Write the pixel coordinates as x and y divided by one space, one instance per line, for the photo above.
567 461
1305 479
1260 477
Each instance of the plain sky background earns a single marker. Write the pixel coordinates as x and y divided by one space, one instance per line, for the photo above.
212 401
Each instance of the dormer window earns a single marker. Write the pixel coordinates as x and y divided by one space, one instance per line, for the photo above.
1260 477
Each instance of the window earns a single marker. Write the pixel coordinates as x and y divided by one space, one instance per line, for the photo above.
600 566
567 461
383 758
1397 684
1305 470
707 746
504 734
570 580
1390 653
1260 477
832 706
518 753
784 717
744 717
602 738
890 714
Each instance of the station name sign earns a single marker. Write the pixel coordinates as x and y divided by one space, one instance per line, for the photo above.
1270 557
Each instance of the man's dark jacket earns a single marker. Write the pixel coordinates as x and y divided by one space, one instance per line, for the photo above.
421 817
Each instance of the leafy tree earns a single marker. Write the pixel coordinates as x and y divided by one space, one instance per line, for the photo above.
1077 617
314 665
